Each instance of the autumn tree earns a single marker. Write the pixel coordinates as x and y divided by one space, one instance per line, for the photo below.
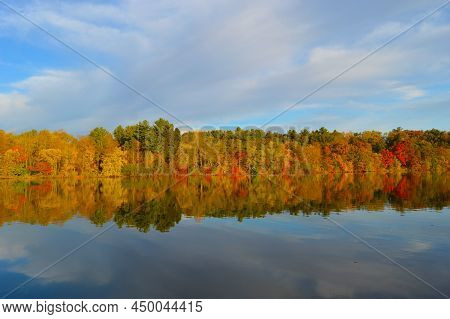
105 146
159 148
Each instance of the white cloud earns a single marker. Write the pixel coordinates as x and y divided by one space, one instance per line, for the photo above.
410 92
11 251
219 62
72 100
13 103
384 32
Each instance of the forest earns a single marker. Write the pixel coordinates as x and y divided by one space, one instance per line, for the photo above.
160 148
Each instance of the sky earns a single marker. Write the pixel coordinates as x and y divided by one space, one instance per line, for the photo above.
224 63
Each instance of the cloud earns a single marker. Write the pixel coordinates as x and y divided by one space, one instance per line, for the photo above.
242 258
222 62
410 92
13 103
11 251
419 246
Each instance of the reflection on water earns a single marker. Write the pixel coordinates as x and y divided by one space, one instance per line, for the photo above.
160 203
225 250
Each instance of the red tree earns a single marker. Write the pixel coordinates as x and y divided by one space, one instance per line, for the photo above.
404 153
42 168
387 157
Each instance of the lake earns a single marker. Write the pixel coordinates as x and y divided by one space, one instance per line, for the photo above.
347 236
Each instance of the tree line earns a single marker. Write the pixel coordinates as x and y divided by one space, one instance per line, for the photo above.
160 148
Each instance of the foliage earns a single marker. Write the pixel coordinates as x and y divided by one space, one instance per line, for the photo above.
160 148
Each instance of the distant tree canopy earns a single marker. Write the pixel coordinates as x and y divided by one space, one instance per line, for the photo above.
160 148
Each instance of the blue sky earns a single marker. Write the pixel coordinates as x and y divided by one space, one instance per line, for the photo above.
225 63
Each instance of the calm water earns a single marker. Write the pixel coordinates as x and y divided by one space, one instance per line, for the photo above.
221 237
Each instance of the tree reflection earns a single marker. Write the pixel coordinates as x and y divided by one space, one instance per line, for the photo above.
152 203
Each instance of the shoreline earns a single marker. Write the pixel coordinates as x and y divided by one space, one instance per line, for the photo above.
387 172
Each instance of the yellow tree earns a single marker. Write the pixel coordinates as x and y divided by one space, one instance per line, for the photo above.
113 162
53 157
13 162
86 164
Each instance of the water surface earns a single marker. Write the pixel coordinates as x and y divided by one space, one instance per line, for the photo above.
211 237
